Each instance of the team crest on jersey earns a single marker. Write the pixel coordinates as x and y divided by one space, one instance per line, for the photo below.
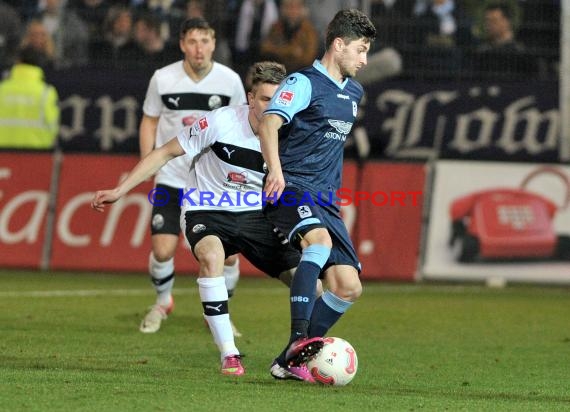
157 221
214 102
292 80
285 98
354 108
203 123
304 211
235 177
199 228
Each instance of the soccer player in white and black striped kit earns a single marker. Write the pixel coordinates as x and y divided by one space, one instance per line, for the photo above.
177 95
222 203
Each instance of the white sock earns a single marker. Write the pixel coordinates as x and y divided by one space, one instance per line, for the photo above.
162 277
231 276
214 297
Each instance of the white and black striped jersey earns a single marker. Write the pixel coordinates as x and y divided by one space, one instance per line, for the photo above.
228 168
178 101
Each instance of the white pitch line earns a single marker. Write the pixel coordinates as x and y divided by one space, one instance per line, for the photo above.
121 292
278 289
86 293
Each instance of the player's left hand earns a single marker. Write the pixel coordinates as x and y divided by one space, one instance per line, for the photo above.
103 197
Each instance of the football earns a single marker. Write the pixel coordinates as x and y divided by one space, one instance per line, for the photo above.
335 364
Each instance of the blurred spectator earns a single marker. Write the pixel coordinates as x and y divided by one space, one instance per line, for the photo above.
9 35
117 37
161 9
29 112
540 32
254 22
149 50
25 8
500 54
321 12
69 33
392 19
36 37
292 40
92 13
440 27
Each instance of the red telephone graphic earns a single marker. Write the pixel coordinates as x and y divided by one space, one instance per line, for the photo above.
504 223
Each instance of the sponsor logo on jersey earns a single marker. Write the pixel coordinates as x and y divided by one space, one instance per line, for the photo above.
285 98
342 129
175 102
203 123
214 102
236 177
354 108
341 126
229 152
343 96
189 120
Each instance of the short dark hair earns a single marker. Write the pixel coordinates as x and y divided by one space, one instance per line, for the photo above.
196 23
265 72
151 21
505 8
349 25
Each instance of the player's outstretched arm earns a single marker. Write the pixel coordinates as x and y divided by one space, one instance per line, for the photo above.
269 140
144 169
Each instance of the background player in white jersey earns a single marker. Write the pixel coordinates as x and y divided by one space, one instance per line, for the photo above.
223 206
177 95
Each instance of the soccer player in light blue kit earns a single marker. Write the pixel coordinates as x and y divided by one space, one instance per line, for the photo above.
302 138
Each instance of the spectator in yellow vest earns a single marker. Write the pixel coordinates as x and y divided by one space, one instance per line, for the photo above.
29 111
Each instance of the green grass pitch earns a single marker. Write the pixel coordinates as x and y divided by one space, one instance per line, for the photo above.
70 342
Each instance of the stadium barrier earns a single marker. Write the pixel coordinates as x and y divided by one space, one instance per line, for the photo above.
398 119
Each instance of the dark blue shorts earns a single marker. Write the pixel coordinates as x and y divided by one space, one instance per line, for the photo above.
297 212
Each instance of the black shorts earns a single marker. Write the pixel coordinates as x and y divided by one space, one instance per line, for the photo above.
299 212
249 233
165 211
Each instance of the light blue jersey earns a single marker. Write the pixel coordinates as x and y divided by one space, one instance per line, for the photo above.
319 113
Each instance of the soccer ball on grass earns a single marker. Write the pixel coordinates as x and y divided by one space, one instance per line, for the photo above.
335 364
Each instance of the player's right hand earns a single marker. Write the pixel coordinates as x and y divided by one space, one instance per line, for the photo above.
103 197
274 186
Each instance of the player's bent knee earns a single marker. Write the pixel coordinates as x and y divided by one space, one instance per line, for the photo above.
317 236
162 255
231 260
208 257
348 291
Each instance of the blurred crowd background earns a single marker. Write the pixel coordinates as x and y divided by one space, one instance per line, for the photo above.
430 39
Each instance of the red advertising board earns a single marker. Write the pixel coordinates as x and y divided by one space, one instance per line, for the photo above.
118 238
388 223
24 199
382 210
